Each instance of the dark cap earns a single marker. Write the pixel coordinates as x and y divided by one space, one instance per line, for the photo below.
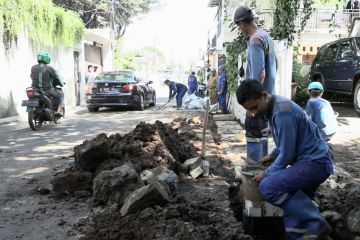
243 14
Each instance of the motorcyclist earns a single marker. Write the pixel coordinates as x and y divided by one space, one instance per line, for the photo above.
45 78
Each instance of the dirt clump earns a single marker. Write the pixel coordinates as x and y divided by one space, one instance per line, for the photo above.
71 180
90 154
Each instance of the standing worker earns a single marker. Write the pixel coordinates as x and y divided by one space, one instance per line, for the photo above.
177 89
298 144
222 89
212 86
192 83
261 66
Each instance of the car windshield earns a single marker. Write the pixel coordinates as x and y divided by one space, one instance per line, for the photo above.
357 40
115 77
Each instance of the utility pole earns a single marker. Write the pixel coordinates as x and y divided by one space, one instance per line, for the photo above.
112 33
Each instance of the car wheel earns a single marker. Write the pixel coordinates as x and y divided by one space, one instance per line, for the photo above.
357 97
153 100
140 105
93 109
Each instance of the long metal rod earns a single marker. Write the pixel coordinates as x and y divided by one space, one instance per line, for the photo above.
204 130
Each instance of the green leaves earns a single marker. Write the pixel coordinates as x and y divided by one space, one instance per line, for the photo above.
286 15
43 23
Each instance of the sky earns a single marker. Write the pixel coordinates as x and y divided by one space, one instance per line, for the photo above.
179 28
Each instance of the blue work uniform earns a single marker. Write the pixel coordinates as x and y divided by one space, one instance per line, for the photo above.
300 145
179 90
193 84
322 114
222 96
260 56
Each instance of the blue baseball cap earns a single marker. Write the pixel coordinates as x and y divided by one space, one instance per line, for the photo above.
315 86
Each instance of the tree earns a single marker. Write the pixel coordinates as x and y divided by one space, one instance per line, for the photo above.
116 14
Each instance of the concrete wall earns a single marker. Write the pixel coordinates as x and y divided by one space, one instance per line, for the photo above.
15 70
15 75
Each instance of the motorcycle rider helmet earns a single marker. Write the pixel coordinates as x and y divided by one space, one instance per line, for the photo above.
44 57
315 86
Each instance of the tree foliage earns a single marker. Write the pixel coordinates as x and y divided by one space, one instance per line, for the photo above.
45 24
99 13
147 58
285 18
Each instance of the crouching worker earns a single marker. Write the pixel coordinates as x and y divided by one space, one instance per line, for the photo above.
300 146
177 89
320 111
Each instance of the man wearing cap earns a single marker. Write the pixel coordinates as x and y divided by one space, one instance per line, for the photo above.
221 87
261 66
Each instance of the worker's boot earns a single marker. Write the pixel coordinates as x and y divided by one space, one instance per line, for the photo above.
303 210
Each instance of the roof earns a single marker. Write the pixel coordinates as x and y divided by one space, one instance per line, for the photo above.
214 3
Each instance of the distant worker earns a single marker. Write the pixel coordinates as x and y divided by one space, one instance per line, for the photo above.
222 88
300 162
261 66
192 83
177 89
212 86
320 111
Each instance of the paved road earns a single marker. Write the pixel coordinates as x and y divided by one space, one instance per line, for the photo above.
28 160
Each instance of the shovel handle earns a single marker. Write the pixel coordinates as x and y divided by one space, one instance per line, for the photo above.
204 129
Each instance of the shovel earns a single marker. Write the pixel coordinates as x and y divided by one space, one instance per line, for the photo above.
164 105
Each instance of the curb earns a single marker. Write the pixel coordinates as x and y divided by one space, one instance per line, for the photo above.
10 119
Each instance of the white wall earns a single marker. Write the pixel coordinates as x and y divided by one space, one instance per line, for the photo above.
15 74
15 70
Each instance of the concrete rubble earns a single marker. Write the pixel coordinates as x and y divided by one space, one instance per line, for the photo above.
150 195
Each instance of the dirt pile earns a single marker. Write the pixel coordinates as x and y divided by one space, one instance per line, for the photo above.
138 205
339 199
199 211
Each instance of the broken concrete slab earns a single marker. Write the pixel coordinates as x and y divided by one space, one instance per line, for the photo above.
224 117
191 163
112 187
206 168
150 195
70 181
195 120
196 172
163 175
91 153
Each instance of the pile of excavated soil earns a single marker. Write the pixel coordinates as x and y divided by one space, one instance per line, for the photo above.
199 209
339 201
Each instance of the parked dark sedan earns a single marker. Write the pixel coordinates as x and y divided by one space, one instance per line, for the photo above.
337 67
123 88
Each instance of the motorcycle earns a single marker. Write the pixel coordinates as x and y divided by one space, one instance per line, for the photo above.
40 108
201 91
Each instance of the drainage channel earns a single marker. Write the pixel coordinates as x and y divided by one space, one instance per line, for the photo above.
231 135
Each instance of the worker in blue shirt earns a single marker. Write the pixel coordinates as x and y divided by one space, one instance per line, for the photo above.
300 161
320 111
177 89
192 83
261 66
222 88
